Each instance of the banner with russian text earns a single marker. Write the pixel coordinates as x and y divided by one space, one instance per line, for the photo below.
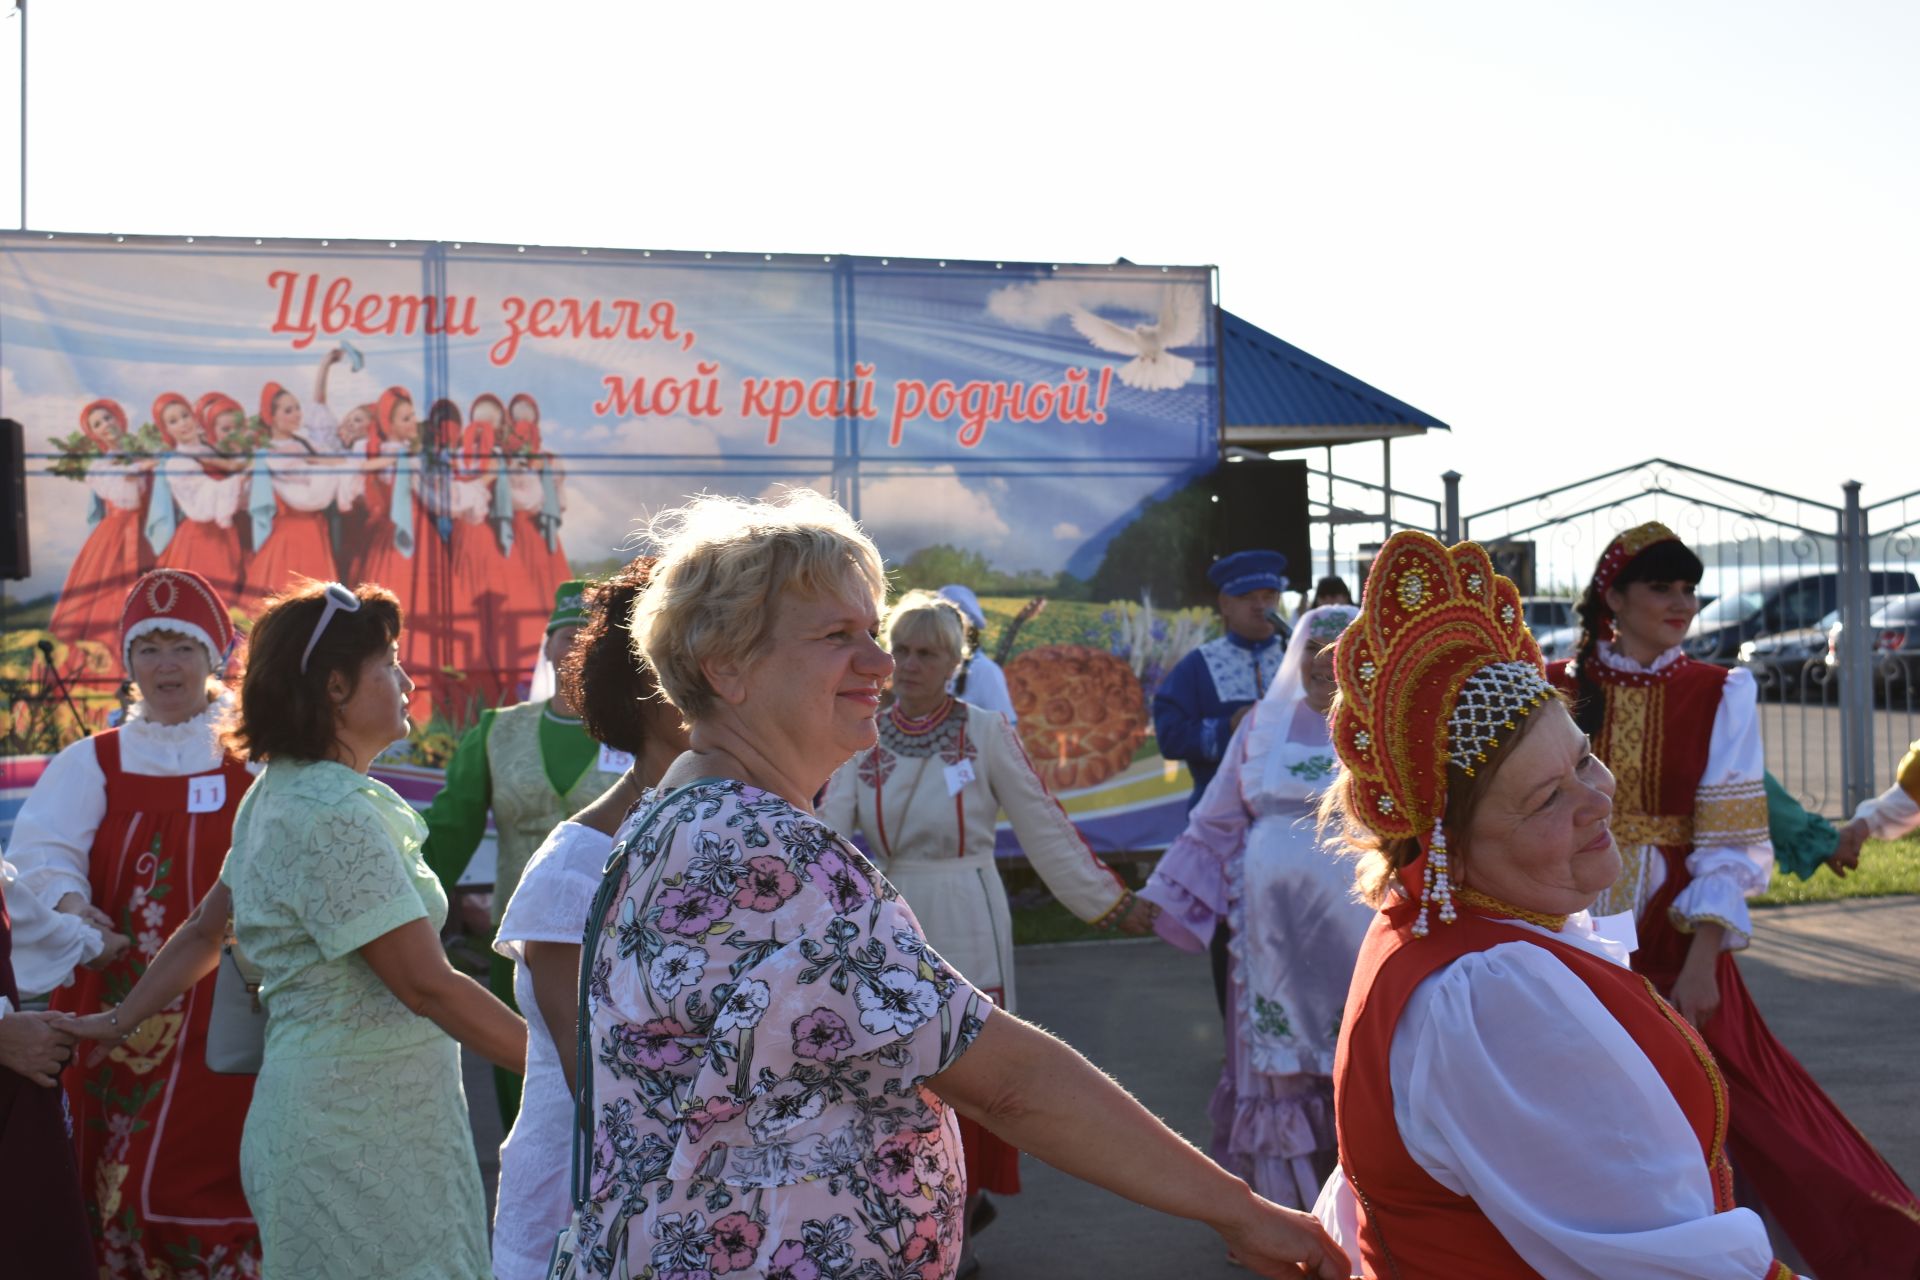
472 425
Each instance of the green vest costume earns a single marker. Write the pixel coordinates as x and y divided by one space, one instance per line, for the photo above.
525 805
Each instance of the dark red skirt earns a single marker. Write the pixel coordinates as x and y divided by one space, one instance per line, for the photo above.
42 1218
1838 1200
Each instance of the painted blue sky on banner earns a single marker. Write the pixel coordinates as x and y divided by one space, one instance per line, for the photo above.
1021 411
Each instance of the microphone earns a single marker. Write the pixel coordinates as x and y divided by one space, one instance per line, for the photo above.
53 673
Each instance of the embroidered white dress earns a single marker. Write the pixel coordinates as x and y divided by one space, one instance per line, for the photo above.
928 805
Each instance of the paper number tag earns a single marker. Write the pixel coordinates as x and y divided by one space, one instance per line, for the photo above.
207 793
958 776
612 761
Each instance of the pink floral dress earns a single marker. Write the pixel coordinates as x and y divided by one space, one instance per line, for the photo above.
763 1011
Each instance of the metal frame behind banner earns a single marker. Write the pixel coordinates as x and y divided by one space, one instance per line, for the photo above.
1796 584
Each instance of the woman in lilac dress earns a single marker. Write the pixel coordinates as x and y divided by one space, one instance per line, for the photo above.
773 1054
1251 856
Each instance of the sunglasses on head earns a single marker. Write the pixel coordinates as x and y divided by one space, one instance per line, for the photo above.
339 600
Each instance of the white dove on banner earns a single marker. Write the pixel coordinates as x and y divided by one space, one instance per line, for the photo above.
1154 367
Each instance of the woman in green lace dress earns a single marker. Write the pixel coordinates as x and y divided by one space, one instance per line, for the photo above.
357 1158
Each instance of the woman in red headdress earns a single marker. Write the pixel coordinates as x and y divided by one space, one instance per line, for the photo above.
295 485
470 493
1690 818
116 551
539 561
198 490
130 827
1510 1098
402 549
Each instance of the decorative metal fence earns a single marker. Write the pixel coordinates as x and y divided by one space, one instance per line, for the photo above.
1820 601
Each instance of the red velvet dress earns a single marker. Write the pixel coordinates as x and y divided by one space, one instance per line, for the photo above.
42 1219
299 545
1412 1227
1842 1205
111 560
158 1134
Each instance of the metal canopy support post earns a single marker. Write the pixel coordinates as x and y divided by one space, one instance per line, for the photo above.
1386 489
1331 570
1856 655
1450 510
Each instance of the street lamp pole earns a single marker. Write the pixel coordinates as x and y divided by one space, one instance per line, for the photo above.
20 8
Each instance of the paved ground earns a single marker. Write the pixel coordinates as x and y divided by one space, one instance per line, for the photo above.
1839 983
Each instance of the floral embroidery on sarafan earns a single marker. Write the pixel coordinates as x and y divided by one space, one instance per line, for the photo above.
1270 1018
1313 768
764 1010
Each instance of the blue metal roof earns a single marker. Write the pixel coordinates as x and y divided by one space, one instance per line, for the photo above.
1271 385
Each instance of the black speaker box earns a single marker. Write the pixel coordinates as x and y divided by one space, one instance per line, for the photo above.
15 560
1263 507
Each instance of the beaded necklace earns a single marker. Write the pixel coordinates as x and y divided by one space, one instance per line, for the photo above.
1486 902
926 724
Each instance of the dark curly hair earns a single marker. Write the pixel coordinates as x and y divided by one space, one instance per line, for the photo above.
285 711
600 674
1662 562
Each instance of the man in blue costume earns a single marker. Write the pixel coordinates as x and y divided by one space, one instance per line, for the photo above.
1203 699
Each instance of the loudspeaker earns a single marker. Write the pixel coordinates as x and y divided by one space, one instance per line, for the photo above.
1262 506
15 560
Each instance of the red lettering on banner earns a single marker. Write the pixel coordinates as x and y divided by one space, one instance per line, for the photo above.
699 396
788 396
863 393
906 392
547 318
703 395
979 404
622 397
372 314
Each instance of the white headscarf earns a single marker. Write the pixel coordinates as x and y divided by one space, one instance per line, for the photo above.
1312 631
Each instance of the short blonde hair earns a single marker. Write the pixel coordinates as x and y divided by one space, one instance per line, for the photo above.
723 565
922 616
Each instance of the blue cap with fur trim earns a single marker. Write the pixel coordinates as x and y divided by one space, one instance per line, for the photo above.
1245 571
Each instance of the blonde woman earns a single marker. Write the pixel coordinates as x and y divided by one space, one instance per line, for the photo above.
773 1052
927 797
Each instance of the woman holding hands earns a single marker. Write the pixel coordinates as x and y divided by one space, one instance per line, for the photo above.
357 1157
774 1051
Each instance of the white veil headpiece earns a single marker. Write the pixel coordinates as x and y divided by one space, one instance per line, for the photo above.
1312 631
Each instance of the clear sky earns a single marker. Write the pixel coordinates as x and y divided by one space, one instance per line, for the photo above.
1581 233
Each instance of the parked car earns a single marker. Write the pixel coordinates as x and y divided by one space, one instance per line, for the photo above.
1791 664
1770 602
1546 612
1895 628
1558 642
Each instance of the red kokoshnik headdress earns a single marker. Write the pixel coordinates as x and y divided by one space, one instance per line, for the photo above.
1620 553
1436 670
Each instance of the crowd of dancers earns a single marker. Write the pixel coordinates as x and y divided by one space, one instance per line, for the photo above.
458 514
1476 919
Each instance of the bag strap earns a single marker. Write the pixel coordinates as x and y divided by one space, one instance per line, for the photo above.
583 1043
